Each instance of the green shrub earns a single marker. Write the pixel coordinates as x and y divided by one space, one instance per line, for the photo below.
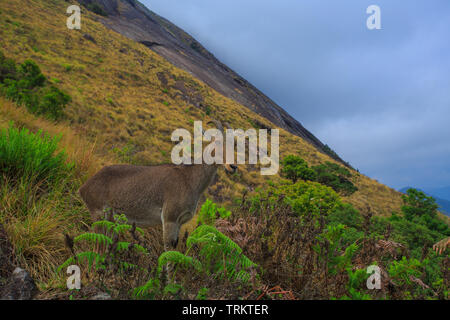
347 215
329 249
53 102
30 75
33 156
329 174
295 168
402 270
97 9
421 209
415 235
419 225
356 278
26 85
304 197
209 213
336 177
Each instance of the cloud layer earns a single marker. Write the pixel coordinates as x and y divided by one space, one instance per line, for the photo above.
380 98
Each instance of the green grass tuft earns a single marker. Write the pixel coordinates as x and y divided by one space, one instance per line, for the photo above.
33 156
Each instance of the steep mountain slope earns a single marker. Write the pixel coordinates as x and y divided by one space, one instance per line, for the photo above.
127 99
133 20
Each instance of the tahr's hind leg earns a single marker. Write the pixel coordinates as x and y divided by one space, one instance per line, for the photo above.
170 239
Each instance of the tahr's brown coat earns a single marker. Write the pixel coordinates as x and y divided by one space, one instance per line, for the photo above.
150 195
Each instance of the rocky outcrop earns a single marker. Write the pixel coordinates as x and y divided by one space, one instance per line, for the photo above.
20 286
133 20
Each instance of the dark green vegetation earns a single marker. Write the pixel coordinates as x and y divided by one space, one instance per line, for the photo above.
26 85
116 256
444 205
96 8
330 174
318 247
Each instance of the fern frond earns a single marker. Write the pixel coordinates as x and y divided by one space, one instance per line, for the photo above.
94 238
122 228
221 254
122 246
148 290
141 231
67 263
127 266
89 257
177 258
140 248
107 225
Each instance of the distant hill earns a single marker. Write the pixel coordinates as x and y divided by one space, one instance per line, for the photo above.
443 193
444 205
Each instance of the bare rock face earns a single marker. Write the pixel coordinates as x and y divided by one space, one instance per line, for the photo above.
134 21
20 286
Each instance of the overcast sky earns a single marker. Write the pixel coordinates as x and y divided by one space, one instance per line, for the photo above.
379 98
